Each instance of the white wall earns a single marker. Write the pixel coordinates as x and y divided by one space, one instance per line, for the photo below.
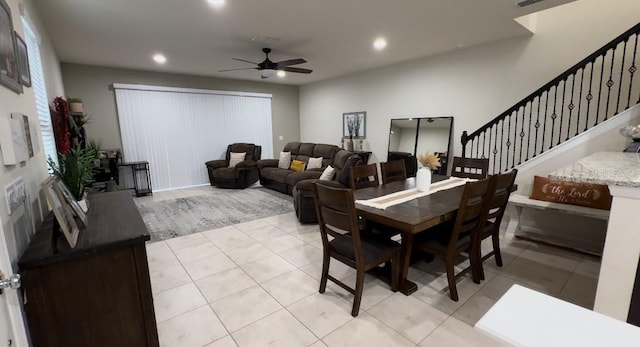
473 85
19 226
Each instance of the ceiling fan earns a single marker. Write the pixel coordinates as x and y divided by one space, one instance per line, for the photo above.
268 68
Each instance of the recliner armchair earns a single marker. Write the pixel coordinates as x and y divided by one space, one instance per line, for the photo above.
243 174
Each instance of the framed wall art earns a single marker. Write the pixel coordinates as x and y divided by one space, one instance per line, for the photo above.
23 61
9 70
354 125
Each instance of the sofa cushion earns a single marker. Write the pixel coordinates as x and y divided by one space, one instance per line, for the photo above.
279 175
244 147
236 158
314 163
307 149
328 174
324 151
297 166
292 147
285 160
353 160
296 177
226 173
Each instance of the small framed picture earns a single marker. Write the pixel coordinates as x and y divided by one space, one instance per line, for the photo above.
68 197
23 62
354 125
61 211
9 71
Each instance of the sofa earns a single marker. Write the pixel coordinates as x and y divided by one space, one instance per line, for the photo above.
283 180
242 175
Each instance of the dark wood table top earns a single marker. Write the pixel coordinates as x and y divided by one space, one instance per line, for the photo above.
113 221
415 215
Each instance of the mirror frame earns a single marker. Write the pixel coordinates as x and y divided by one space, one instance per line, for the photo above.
415 146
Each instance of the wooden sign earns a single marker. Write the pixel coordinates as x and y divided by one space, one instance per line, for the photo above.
573 193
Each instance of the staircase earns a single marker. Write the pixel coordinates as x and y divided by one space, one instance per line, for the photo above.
591 92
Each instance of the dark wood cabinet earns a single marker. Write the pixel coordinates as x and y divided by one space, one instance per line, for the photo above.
97 294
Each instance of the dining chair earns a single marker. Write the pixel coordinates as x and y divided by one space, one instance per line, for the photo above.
337 218
393 171
497 204
446 241
360 176
470 168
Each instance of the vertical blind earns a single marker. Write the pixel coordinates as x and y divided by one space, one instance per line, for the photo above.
177 130
39 89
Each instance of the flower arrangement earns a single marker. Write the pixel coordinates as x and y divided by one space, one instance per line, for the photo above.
429 160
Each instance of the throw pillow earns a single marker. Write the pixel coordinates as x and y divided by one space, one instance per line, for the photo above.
297 165
573 193
353 160
327 174
236 158
285 160
314 163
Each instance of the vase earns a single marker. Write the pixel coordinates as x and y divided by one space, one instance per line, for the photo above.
350 145
423 179
76 107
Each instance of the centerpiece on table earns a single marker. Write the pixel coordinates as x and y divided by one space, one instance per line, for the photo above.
429 162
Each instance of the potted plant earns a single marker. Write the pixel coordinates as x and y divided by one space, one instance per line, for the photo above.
75 105
75 170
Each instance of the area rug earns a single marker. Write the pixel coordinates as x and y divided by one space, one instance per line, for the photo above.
182 216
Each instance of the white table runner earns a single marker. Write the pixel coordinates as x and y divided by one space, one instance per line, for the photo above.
396 198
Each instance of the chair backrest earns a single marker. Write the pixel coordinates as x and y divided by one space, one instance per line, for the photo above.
473 210
500 197
337 216
470 168
393 171
363 176
253 152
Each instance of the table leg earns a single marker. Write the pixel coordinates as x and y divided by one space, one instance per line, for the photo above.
406 287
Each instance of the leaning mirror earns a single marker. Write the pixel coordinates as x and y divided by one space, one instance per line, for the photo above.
411 136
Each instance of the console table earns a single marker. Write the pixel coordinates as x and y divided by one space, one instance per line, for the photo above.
97 294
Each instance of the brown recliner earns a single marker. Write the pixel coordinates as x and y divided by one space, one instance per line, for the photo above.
243 174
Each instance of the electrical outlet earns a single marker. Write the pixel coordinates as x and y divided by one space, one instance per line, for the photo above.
281 138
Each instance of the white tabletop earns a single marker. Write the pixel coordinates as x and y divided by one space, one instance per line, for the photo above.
524 317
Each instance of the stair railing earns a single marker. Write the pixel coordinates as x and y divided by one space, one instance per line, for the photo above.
587 94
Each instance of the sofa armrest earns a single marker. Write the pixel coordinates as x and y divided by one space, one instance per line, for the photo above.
267 163
216 164
306 186
246 164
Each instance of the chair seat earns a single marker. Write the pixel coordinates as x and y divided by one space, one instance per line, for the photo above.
487 230
372 250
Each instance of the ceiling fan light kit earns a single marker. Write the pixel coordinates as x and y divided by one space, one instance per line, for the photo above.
268 68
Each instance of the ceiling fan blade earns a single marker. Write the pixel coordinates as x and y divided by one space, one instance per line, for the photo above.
244 60
295 69
244 68
290 62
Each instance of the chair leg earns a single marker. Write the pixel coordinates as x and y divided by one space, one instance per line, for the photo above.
325 272
495 237
395 273
358 293
451 277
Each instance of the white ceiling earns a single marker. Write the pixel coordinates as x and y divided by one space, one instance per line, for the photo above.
334 36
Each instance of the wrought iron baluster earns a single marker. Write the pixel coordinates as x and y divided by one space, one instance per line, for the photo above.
483 143
554 115
537 126
632 70
571 106
624 53
610 84
589 97
564 92
604 56
489 147
522 134
544 127
495 149
515 139
477 145
508 143
501 144
579 103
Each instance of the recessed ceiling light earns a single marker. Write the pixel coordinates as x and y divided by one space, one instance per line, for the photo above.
281 73
159 58
216 3
380 43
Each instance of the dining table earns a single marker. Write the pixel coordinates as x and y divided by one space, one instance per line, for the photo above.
410 217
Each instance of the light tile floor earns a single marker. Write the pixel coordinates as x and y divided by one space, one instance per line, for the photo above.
236 286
